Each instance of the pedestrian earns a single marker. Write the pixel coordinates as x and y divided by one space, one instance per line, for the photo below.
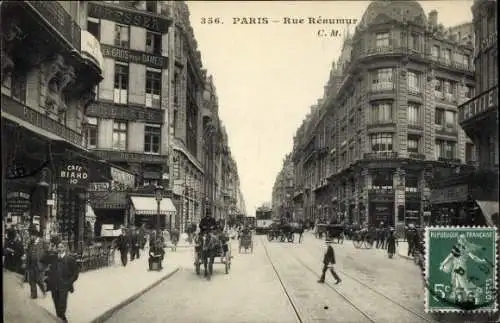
14 252
328 262
391 243
34 265
134 245
62 274
156 254
301 232
123 245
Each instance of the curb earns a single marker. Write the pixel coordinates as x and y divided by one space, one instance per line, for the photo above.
406 257
106 315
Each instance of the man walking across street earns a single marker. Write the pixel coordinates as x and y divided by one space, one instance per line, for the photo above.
328 262
63 272
123 244
134 245
35 268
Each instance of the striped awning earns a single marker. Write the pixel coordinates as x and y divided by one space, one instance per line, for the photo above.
490 211
146 205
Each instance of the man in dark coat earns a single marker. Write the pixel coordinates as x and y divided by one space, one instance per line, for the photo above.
134 245
13 252
34 265
156 254
328 262
63 272
123 245
207 223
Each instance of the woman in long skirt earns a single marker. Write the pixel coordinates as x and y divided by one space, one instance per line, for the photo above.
391 244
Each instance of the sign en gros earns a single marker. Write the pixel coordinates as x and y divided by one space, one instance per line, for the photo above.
133 56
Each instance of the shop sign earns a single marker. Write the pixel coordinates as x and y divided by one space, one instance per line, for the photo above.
99 187
125 112
74 174
381 213
18 202
449 194
133 56
92 47
125 17
122 177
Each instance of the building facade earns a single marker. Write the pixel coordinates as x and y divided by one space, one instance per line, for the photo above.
478 116
387 121
283 190
50 67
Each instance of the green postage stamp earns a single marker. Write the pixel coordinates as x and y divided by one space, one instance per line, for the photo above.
461 269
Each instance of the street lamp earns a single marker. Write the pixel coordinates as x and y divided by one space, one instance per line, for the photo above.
158 197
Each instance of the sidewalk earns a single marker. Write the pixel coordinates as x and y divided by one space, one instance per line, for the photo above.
100 293
403 250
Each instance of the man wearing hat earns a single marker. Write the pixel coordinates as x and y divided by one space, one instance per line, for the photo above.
328 262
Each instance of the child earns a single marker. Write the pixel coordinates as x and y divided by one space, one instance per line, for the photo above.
328 259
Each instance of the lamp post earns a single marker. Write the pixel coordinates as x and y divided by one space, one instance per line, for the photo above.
158 197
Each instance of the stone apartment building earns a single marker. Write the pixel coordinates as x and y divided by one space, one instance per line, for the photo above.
283 189
387 121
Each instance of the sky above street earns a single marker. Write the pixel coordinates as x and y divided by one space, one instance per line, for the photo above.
267 76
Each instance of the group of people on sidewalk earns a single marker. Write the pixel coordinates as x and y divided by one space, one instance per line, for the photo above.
47 265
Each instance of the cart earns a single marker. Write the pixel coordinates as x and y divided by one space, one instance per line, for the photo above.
246 242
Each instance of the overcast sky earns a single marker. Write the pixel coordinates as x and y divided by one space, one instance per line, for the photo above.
268 76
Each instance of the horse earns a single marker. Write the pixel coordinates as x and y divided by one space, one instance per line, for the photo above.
208 244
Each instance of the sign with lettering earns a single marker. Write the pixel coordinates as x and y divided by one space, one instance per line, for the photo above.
449 194
133 56
18 202
110 155
92 48
99 187
73 173
122 177
125 112
128 17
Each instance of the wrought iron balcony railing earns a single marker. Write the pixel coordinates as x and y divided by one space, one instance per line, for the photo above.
381 155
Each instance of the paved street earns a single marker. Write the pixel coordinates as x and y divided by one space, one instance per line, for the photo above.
374 289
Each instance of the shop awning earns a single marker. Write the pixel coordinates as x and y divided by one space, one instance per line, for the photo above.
146 205
89 213
489 208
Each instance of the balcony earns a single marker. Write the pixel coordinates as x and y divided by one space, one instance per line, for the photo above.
416 156
91 50
58 20
478 106
381 191
381 155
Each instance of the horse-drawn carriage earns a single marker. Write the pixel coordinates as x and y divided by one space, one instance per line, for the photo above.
363 238
281 232
246 241
335 232
208 247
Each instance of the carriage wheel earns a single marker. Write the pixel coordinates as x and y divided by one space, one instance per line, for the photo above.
356 243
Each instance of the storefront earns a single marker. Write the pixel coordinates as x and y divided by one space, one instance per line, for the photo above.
381 208
413 208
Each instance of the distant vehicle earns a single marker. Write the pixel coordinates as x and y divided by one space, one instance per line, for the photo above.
264 219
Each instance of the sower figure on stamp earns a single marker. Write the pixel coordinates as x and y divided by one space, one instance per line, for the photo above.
328 262
456 264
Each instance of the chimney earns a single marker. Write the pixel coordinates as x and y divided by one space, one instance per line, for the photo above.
433 18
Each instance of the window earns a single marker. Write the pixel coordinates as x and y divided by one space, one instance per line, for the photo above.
121 36
178 42
413 82
176 88
150 182
381 112
382 79
94 27
470 152
439 117
413 144
18 86
121 84
381 142
174 122
382 180
153 43
91 133
446 55
450 119
470 92
435 52
152 135
120 135
153 89
445 149
382 40
151 6
413 42
411 183
438 85
413 113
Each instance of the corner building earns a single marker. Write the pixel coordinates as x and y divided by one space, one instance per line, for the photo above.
388 119
128 125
